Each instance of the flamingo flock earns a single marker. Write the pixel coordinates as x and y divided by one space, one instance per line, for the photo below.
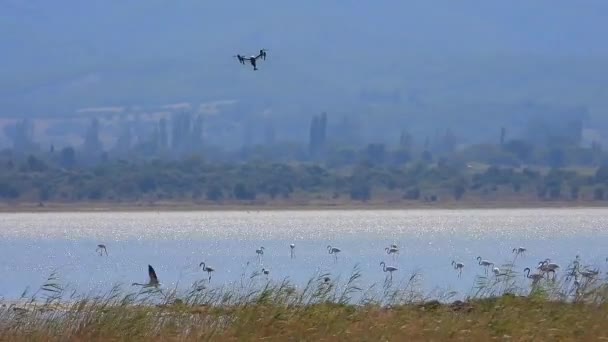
544 267
334 251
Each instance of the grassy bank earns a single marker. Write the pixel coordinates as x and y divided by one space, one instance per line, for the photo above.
504 318
570 308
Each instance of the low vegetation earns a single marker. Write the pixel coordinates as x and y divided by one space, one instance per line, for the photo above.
192 179
571 308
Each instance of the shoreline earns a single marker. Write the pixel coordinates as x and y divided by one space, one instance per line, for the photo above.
282 206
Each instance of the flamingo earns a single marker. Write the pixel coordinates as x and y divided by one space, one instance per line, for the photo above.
589 274
334 251
392 250
572 269
260 253
547 266
535 277
497 272
152 281
519 250
206 269
389 269
458 266
292 250
484 263
101 248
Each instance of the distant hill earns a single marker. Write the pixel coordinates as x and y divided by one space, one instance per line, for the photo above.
409 62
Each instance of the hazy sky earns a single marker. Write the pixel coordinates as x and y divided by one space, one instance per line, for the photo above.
115 50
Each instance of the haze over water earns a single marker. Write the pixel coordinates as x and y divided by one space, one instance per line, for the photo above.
32 245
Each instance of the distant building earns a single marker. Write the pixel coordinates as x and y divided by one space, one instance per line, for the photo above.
550 124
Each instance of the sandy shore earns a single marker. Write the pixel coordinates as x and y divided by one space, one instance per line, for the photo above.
346 205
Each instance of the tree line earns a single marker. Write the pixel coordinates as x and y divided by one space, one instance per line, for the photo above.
37 179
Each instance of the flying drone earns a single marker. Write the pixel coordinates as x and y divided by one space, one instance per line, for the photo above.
253 59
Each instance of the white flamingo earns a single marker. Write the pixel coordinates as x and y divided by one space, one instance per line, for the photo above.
101 248
497 272
152 281
260 253
334 251
389 269
207 269
458 266
292 250
484 263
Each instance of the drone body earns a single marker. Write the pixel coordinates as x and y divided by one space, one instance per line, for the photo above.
253 59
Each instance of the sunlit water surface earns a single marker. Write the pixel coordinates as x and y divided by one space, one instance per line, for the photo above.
33 245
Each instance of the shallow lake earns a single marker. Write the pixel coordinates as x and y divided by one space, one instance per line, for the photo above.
33 245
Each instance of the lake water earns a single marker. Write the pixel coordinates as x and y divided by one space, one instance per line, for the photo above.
32 245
